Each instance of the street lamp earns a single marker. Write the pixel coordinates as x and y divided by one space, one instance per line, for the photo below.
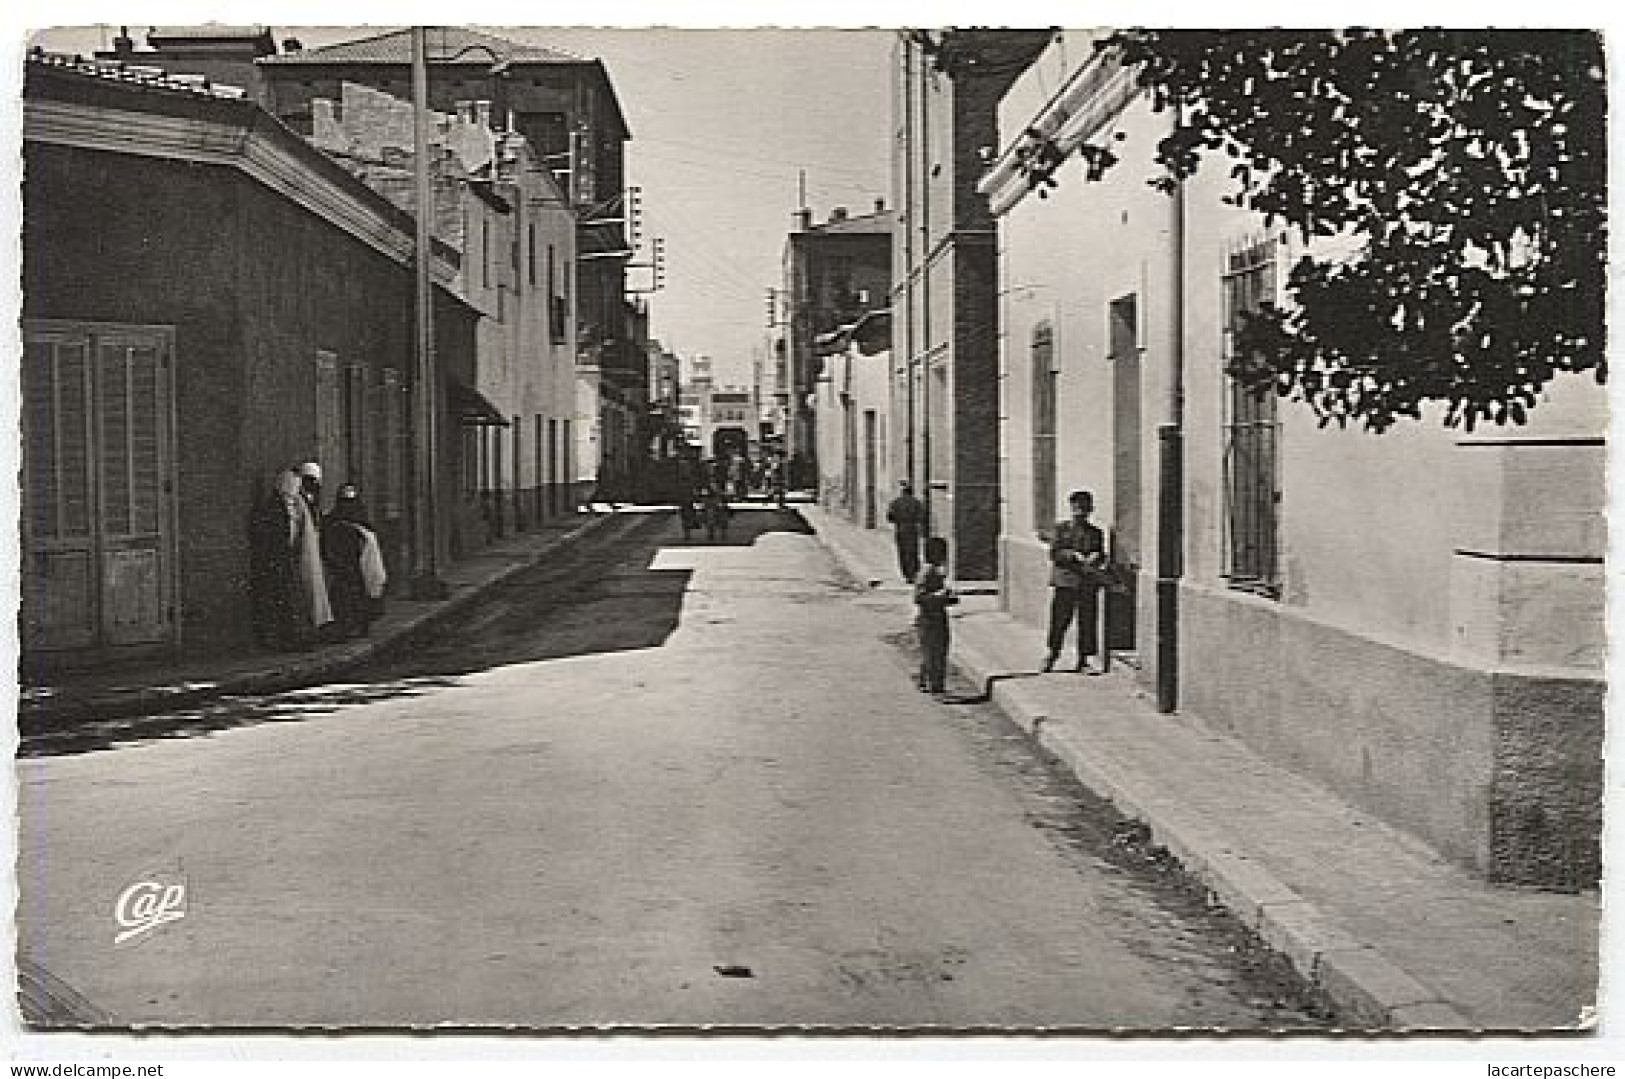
426 582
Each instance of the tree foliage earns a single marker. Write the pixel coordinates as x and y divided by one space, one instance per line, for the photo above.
1465 172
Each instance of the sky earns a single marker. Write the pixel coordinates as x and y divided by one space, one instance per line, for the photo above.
723 124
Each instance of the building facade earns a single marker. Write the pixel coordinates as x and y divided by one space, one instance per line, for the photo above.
170 371
853 400
1414 619
835 273
505 214
946 91
566 108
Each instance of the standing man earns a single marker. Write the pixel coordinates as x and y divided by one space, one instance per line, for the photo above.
907 516
1077 557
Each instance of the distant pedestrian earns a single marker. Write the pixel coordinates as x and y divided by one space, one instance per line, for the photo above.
775 480
716 512
907 516
688 512
310 482
1077 572
933 597
353 563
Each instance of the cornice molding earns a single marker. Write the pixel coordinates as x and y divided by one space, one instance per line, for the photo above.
263 159
1095 94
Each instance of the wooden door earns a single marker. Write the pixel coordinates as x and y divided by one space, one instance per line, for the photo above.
59 585
1127 488
99 565
132 482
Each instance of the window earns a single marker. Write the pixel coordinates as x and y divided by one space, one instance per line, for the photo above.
558 310
485 251
354 463
531 265
1252 434
1044 388
329 416
391 426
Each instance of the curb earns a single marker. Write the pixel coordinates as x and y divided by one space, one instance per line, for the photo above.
1368 990
36 719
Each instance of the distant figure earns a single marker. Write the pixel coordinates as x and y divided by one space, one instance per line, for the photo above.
688 512
907 516
310 482
716 513
287 588
1077 570
775 480
933 597
353 563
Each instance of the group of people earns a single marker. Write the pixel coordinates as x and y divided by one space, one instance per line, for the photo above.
1079 570
705 505
745 476
313 578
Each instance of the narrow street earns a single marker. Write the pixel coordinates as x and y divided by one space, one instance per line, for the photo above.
646 783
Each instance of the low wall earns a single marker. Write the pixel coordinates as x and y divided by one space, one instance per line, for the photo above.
1500 772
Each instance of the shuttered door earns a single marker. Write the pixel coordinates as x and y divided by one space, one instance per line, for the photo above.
329 418
59 571
130 406
97 494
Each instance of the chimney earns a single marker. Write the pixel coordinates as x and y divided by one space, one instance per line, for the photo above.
880 206
124 44
803 219
837 214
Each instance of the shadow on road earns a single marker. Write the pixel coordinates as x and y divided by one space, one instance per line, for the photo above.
224 713
602 595
597 599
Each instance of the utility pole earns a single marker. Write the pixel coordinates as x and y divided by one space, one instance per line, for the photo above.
426 582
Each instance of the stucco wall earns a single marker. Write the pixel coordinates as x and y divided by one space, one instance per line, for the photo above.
1435 585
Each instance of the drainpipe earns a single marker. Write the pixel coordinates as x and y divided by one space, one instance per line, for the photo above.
907 209
924 188
1171 465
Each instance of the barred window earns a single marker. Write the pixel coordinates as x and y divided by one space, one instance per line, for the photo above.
1252 436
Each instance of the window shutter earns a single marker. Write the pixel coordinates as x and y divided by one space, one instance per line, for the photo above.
329 415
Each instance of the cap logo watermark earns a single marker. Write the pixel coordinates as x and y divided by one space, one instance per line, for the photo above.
145 905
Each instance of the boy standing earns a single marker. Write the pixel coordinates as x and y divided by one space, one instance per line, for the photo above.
933 597
1077 568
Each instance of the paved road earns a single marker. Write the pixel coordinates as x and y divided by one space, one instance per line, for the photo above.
648 783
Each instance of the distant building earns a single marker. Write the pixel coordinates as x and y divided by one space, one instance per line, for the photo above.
566 108
835 273
496 204
852 397
944 295
219 55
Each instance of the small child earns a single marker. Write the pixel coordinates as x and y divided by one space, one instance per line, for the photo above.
933 597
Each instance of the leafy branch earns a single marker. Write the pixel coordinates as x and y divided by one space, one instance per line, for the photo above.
1465 171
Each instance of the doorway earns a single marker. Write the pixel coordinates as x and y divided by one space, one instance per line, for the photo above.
1123 353
98 500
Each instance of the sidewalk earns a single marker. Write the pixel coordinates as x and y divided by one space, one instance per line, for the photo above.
105 694
1394 936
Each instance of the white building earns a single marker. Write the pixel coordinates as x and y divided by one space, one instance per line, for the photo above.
1415 619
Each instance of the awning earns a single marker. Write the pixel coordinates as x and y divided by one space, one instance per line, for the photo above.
471 406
